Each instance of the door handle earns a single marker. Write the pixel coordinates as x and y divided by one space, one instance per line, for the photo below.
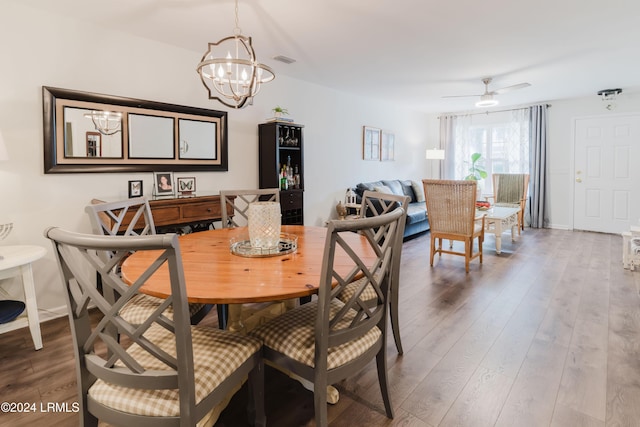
578 179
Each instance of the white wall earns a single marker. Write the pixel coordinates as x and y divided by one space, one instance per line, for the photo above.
562 117
43 50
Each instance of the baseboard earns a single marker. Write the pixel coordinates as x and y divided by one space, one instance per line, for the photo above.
43 315
559 227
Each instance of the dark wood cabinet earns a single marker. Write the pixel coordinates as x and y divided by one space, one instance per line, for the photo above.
282 145
169 214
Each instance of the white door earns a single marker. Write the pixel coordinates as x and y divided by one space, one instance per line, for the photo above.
607 173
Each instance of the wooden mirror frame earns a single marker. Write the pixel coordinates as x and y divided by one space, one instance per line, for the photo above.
55 160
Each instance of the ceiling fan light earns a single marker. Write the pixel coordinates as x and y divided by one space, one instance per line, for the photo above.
487 101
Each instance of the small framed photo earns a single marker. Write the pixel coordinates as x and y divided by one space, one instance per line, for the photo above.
163 183
135 188
370 143
186 185
387 144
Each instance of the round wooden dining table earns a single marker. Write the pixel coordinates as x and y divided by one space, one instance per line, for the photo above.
215 275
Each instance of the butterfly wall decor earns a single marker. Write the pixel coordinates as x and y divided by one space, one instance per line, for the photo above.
186 185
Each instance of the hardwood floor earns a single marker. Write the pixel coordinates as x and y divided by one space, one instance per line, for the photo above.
545 334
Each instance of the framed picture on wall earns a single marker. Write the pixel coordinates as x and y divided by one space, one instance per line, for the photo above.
387 143
370 143
186 185
163 182
135 188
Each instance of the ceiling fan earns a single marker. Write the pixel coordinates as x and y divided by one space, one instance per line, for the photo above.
486 98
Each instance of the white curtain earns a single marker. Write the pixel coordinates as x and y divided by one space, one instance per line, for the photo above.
511 141
447 143
502 138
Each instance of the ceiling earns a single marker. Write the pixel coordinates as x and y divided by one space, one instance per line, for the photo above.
412 52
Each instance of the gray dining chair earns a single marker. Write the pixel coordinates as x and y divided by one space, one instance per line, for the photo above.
375 203
235 213
132 217
162 372
235 204
327 340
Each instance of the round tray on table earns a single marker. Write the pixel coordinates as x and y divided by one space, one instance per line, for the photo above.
241 246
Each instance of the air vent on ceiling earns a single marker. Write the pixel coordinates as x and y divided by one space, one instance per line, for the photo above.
284 59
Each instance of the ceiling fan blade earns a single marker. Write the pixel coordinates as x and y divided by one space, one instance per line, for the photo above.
510 88
461 96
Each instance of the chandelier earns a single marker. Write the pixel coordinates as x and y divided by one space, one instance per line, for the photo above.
105 122
236 77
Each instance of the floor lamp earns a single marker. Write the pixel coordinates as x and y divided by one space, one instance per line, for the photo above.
435 154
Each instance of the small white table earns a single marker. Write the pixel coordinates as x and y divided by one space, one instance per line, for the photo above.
14 261
498 220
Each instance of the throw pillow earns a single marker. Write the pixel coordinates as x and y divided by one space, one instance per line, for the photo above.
382 189
419 190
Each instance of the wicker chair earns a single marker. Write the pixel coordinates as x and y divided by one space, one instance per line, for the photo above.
451 207
510 190
132 217
163 372
327 340
375 203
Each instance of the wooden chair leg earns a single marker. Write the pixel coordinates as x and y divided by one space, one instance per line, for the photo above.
433 249
255 409
381 363
395 323
467 254
223 315
320 402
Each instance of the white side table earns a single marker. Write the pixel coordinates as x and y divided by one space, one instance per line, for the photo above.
16 260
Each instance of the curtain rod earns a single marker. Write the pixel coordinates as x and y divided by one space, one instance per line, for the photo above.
494 111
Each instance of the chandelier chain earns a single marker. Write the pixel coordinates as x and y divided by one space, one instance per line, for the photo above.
237 30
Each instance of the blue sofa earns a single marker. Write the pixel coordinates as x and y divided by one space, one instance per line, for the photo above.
417 220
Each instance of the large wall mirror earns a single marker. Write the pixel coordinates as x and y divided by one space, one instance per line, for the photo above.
89 132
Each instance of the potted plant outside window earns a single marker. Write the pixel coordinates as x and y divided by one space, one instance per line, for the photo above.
477 173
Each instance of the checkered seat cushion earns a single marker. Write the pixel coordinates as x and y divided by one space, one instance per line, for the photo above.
140 307
347 293
216 355
293 335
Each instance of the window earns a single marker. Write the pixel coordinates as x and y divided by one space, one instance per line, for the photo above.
501 138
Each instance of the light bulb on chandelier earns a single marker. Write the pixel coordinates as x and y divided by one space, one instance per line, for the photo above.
105 122
233 80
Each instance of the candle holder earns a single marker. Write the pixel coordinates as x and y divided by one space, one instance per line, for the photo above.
264 224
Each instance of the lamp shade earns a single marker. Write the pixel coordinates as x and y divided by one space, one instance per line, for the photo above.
435 154
4 156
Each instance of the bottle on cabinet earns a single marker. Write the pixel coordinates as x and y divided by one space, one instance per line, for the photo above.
281 164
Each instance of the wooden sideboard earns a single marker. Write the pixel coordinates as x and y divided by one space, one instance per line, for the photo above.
199 212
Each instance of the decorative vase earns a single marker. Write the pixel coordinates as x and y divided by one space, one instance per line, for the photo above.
264 224
341 210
